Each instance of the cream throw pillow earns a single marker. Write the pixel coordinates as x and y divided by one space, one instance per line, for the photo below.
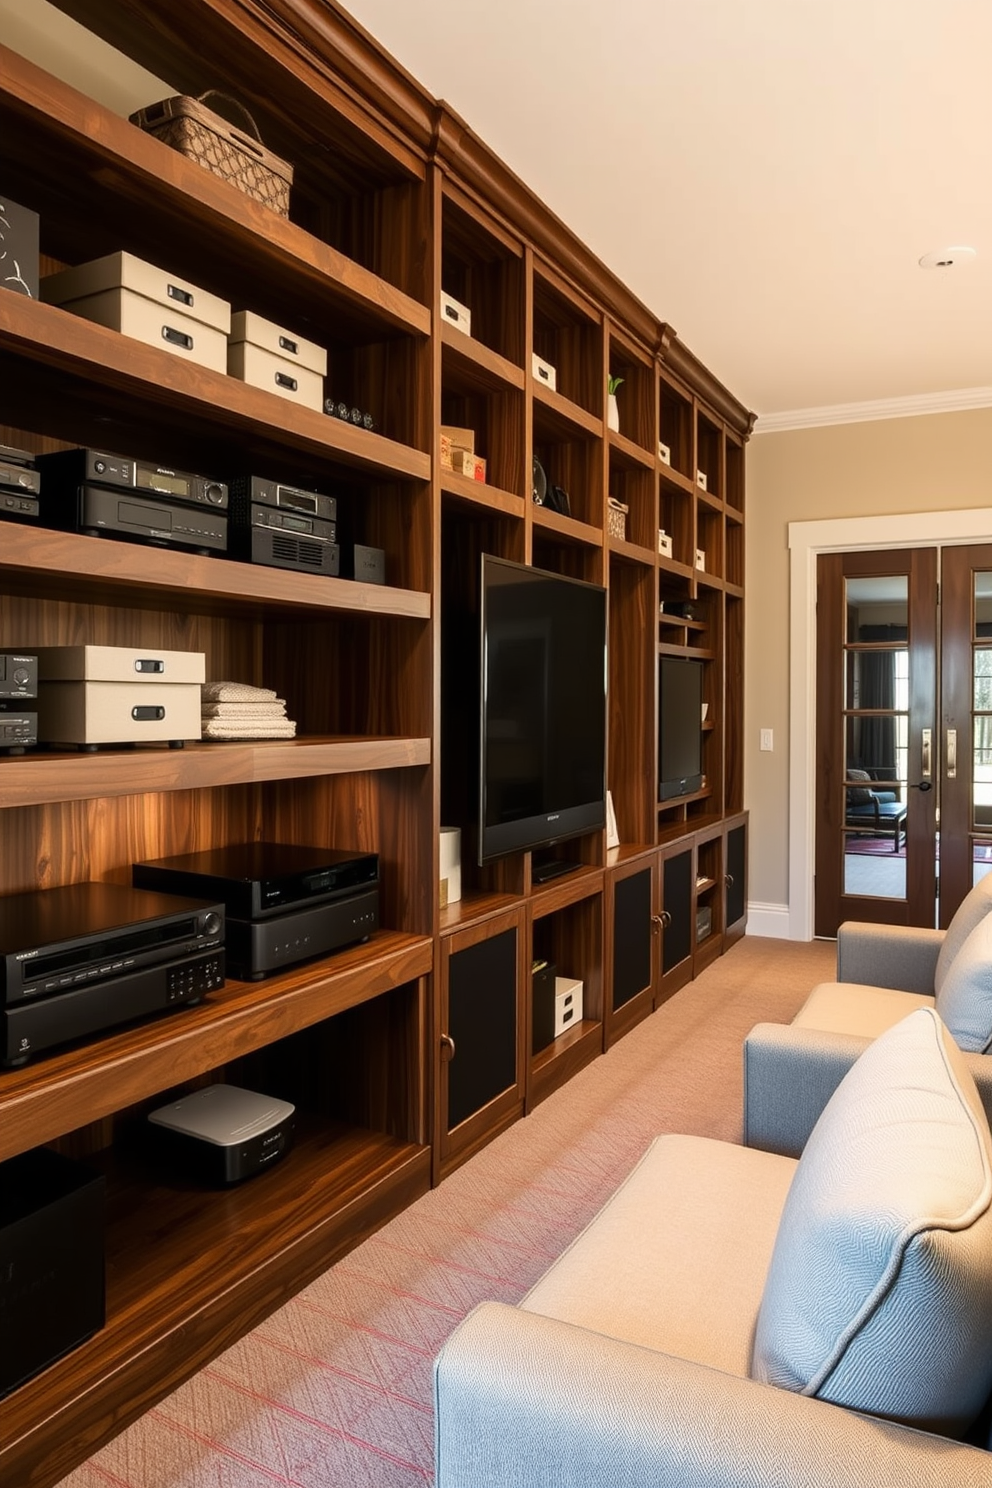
879 1292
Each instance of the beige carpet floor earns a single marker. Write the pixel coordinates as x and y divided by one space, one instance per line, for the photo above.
334 1389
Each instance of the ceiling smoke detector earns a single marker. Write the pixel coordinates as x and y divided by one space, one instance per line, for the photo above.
947 258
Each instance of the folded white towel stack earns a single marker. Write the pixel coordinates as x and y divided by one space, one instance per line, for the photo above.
235 710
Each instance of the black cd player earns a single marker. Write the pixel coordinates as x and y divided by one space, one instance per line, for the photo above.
256 880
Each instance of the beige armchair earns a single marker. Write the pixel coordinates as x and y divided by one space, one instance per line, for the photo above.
737 1317
883 973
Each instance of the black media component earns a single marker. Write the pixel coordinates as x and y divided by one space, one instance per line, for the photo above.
20 484
680 730
542 708
18 675
280 549
259 879
285 903
18 730
101 512
88 956
79 467
52 1267
247 491
366 565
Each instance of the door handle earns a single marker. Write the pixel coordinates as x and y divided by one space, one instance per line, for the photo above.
926 761
951 754
921 785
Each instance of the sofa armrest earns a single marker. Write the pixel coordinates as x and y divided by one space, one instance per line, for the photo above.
789 1075
901 957
525 1401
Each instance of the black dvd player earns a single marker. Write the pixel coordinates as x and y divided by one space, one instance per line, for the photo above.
257 880
87 956
97 511
249 490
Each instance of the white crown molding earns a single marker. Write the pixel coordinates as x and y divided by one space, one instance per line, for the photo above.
915 405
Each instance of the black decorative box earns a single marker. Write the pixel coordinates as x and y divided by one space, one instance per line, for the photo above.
18 248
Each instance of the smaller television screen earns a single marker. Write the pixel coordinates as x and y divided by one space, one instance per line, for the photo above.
680 727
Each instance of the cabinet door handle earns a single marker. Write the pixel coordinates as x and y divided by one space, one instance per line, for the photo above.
657 921
666 918
447 1046
926 749
951 754
728 879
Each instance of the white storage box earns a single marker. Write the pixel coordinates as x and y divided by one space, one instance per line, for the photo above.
450 872
267 356
456 314
568 1003
119 664
701 479
664 543
543 371
145 302
664 454
118 712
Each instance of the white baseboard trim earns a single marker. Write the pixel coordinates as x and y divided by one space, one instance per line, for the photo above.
768 919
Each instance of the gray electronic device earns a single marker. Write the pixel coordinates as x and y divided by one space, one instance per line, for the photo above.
224 1134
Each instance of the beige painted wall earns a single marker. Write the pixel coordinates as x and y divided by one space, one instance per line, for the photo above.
938 462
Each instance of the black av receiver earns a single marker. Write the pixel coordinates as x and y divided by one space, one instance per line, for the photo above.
80 467
89 956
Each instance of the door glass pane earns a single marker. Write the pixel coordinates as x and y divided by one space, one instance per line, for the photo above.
876 733
983 605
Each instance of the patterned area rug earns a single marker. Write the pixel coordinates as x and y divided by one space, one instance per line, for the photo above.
335 1389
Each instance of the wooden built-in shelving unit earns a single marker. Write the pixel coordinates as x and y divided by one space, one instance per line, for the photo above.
394 201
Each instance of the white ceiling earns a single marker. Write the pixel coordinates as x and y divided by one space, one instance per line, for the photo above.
763 176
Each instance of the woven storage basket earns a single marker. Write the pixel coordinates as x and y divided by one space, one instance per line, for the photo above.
187 125
616 518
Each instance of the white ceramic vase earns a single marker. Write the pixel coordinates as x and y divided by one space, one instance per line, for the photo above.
612 413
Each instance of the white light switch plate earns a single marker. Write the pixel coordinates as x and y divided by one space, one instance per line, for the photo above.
766 739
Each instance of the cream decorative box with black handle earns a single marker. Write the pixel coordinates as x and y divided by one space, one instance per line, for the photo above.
90 695
148 303
266 356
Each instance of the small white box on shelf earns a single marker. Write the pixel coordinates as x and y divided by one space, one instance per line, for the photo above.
544 372
701 479
664 543
456 314
450 871
568 1003
664 454
701 559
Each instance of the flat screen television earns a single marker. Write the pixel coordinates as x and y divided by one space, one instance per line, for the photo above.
542 735
680 726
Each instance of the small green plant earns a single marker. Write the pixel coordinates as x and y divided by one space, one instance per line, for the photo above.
612 383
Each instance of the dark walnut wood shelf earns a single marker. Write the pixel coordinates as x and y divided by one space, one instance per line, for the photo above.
189 1270
59 1092
473 367
626 455
45 564
478 494
46 775
74 369
60 148
558 419
569 529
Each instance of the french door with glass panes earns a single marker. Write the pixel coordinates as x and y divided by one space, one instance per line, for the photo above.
904 733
